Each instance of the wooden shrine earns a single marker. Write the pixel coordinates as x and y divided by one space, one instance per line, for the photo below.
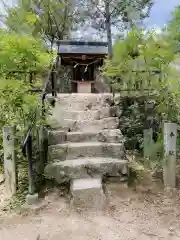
84 58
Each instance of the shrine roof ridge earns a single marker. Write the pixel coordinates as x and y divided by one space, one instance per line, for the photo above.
82 43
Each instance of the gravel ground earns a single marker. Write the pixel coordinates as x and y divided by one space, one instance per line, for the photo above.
140 213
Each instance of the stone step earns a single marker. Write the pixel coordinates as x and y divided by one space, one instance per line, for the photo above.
82 137
86 125
57 137
64 171
107 135
74 98
60 113
85 149
87 193
103 112
83 101
82 115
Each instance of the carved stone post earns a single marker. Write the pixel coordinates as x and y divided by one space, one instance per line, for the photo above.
169 166
148 141
10 168
43 147
148 131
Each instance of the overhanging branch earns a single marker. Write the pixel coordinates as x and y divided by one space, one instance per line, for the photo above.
99 10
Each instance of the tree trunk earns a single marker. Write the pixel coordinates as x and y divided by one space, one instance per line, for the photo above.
52 43
108 29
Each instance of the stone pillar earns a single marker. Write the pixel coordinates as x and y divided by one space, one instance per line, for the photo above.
169 166
148 131
43 148
10 168
148 141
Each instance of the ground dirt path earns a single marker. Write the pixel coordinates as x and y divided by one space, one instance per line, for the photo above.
130 215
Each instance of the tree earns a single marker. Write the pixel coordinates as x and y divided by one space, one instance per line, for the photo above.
173 28
52 20
22 53
18 104
18 20
144 63
141 65
136 57
104 14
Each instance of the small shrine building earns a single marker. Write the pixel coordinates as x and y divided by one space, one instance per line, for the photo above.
84 58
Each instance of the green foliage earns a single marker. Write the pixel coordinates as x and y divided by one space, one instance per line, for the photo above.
22 53
19 53
168 95
55 19
20 21
123 13
156 154
49 20
145 64
132 121
18 105
133 64
124 54
173 28
134 59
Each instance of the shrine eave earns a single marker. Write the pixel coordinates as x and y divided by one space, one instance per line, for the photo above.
82 43
82 47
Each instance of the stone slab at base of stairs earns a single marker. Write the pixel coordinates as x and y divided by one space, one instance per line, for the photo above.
64 171
87 193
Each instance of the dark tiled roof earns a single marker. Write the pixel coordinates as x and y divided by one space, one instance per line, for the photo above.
83 47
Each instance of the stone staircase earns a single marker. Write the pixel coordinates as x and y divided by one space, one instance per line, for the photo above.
85 145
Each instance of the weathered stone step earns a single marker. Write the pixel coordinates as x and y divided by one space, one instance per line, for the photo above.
103 112
88 194
82 136
85 98
85 168
83 101
57 137
107 135
82 115
86 149
86 125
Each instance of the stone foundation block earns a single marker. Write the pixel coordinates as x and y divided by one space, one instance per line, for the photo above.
32 199
87 194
